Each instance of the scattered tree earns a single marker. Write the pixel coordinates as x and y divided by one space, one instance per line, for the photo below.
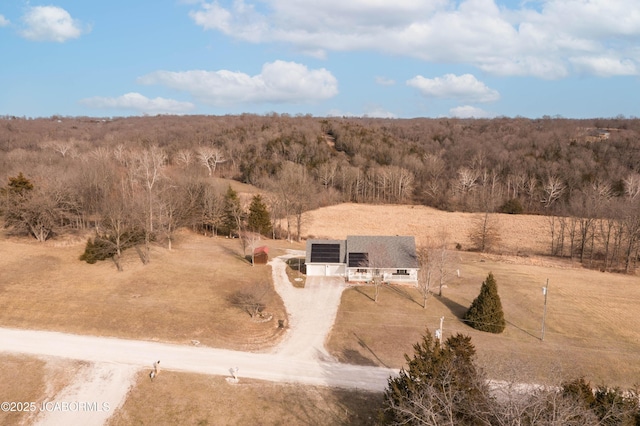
485 313
484 233
425 273
258 219
252 299
233 215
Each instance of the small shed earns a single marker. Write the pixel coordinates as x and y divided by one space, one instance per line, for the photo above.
261 255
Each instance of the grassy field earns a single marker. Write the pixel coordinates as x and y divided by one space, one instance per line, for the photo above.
182 295
592 326
192 399
591 330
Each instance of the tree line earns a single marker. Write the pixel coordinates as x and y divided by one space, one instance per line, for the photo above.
583 174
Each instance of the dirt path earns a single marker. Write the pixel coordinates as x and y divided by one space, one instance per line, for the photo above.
96 392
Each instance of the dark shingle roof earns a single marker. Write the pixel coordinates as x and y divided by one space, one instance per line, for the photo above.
385 251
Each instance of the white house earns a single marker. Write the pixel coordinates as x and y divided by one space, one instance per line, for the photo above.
360 258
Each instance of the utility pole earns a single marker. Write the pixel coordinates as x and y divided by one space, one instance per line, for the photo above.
545 291
439 332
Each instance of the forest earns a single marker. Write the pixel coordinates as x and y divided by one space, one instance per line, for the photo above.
136 180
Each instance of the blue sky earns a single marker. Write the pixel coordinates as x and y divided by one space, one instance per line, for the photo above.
378 58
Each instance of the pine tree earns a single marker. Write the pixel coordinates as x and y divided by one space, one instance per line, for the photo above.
485 313
233 214
441 385
259 220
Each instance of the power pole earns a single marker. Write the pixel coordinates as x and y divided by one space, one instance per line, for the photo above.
545 291
439 332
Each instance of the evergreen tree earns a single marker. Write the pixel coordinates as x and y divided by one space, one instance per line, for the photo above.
258 219
442 385
232 212
485 313
19 185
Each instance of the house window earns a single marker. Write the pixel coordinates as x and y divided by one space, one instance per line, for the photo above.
401 272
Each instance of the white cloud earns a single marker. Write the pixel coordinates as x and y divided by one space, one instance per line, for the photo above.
3 21
137 102
605 67
537 38
278 82
378 112
383 81
465 87
468 111
50 23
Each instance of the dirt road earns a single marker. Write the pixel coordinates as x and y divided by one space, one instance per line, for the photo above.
141 354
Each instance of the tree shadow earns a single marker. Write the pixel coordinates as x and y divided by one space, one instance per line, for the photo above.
364 345
404 293
456 309
351 356
359 290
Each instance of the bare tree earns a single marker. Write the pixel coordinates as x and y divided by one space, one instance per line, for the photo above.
553 189
251 299
250 240
61 147
184 157
425 274
485 232
210 157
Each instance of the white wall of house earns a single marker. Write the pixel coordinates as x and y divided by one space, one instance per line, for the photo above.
388 275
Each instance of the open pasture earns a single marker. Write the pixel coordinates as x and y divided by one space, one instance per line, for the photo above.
592 328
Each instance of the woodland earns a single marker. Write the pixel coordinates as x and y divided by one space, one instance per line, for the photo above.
136 180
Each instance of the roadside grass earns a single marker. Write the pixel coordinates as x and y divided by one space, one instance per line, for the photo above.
181 295
592 326
193 399
25 379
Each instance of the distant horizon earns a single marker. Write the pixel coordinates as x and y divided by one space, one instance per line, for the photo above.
501 117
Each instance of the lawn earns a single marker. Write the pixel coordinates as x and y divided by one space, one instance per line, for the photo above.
182 295
592 328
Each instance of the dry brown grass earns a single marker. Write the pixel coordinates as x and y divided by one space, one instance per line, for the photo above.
592 326
521 234
192 399
181 295
29 379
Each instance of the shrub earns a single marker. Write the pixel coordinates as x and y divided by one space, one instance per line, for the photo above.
512 206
